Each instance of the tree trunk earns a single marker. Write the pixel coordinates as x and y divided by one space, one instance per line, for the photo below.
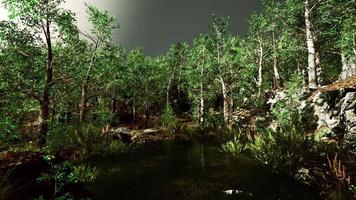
53 113
85 87
312 58
225 102
84 97
275 62
201 110
260 70
168 90
147 116
134 111
45 102
113 106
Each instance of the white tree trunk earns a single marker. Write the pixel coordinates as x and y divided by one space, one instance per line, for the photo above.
225 101
201 110
168 90
275 63
260 70
312 58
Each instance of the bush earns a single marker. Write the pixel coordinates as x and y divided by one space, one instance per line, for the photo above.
62 174
213 121
292 111
234 146
282 150
168 118
82 174
80 143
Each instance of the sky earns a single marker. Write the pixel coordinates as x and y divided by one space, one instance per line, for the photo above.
156 24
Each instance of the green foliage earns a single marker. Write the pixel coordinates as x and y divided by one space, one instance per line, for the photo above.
102 21
168 118
58 174
81 143
213 121
25 147
283 151
62 174
82 174
235 146
291 111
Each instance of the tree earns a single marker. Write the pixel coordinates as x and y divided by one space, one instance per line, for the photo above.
40 19
200 74
144 83
218 33
312 54
103 25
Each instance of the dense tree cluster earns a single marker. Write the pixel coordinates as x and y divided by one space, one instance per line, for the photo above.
67 93
53 73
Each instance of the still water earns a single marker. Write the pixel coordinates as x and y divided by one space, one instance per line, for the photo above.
189 170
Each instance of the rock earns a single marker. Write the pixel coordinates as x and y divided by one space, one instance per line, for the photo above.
348 109
323 111
278 96
123 134
122 130
303 176
338 116
150 131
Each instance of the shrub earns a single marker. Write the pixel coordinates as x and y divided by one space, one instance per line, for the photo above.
83 142
282 150
62 174
82 174
168 118
234 146
292 111
57 174
213 121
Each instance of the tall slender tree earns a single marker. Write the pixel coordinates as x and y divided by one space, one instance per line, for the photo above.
41 17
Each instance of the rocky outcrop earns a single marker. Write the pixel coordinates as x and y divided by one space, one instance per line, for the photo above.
348 119
123 134
139 136
335 107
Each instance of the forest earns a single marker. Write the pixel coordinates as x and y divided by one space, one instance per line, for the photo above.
267 115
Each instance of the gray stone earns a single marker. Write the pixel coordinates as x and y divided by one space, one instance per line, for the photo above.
150 131
122 130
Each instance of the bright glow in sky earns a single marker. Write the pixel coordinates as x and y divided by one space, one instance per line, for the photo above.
156 24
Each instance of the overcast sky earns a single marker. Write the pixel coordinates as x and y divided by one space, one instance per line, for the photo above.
155 24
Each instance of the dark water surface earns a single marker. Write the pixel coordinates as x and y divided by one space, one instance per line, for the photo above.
189 170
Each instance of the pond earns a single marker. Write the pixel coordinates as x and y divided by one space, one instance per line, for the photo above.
189 170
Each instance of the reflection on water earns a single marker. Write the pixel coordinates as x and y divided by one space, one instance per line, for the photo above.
175 170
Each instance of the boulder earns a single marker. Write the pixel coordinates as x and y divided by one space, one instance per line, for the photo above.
123 134
348 121
150 131
122 130
339 115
